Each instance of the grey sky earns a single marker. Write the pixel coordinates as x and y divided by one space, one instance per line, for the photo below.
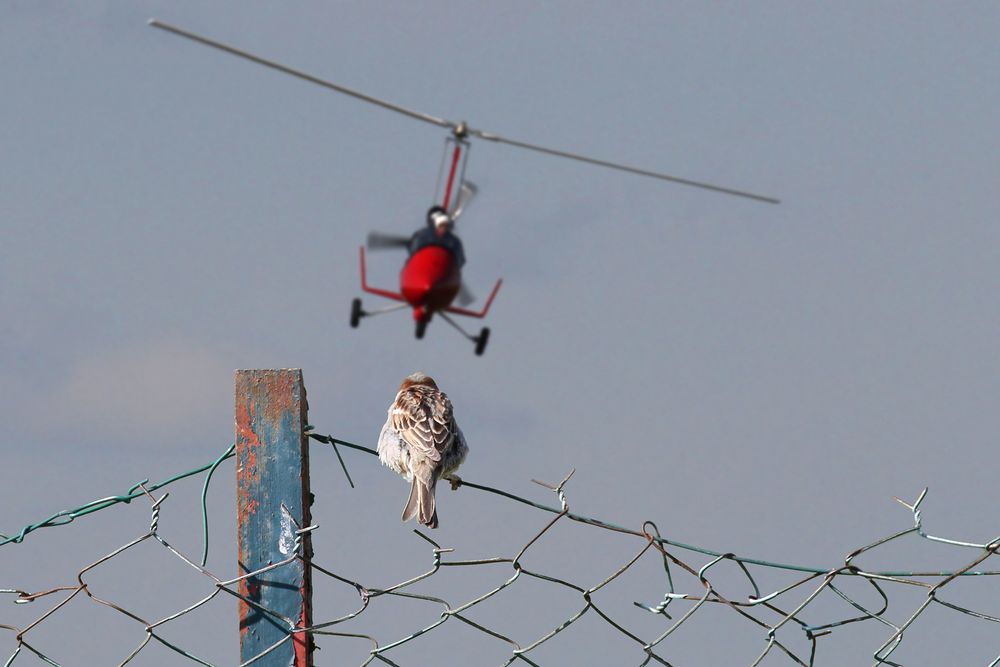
756 379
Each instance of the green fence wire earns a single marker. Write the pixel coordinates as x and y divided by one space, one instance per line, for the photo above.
137 490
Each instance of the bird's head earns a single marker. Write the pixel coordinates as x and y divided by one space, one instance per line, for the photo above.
418 378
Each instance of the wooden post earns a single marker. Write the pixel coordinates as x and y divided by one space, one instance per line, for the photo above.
272 501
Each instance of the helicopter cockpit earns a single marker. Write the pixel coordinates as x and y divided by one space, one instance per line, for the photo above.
438 232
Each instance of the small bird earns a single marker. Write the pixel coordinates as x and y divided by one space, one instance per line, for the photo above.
421 441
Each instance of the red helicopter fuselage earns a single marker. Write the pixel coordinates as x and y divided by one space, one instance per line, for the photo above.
430 280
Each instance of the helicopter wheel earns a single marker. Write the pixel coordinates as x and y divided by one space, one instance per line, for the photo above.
421 328
481 340
356 313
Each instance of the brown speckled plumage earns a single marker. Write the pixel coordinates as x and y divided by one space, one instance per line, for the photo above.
422 442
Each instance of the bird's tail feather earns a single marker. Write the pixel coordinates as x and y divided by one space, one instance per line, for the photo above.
420 504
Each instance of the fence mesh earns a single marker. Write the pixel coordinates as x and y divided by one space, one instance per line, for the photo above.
780 602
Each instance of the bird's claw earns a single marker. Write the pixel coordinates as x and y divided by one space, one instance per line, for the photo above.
455 481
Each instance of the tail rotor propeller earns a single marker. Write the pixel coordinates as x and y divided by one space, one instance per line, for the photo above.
466 194
465 295
382 241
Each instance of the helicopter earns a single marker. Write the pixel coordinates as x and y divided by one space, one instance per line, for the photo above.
430 280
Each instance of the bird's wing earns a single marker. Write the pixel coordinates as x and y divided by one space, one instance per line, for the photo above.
423 417
385 435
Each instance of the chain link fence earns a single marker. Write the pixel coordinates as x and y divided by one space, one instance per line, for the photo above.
786 606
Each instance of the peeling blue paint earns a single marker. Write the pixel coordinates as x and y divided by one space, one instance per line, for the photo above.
272 497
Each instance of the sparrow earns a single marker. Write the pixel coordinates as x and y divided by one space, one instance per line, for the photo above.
421 441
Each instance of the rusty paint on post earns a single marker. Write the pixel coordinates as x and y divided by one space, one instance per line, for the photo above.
272 472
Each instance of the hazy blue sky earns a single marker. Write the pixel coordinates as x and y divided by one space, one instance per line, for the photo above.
759 379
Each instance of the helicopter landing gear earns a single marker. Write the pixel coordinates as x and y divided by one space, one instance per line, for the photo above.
481 340
421 328
356 313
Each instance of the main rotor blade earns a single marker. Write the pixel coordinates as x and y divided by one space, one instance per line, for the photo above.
441 122
489 136
379 241
459 129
